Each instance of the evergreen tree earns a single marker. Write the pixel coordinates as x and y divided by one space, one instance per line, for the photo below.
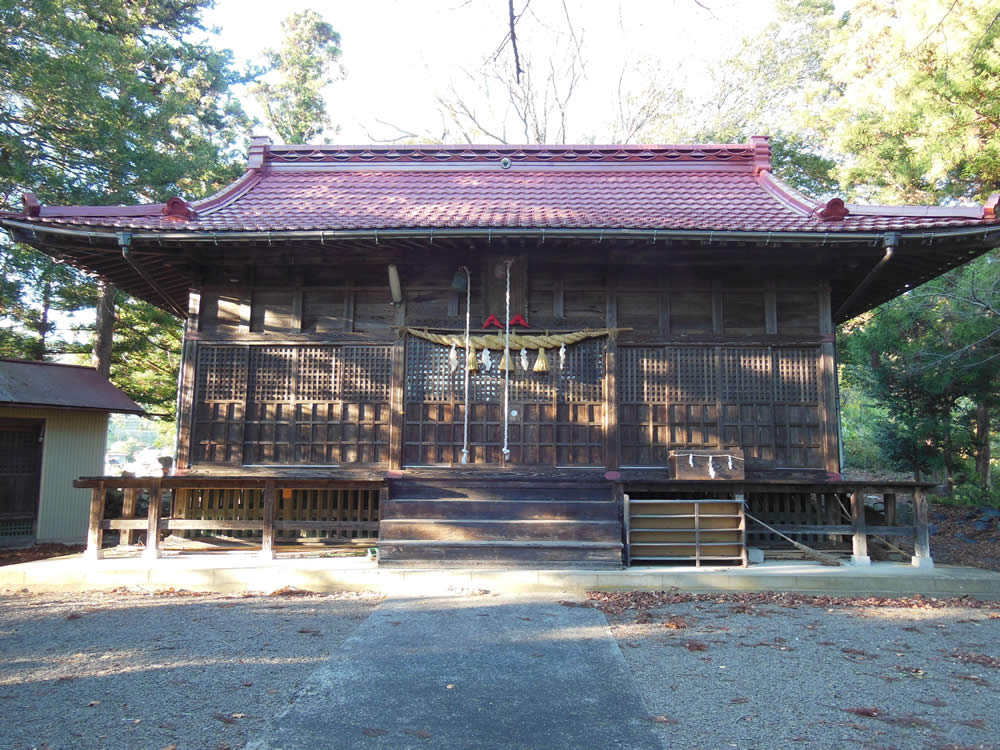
306 63
103 102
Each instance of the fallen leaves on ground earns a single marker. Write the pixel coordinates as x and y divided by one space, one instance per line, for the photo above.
695 646
615 603
661 719
291 591
224 719
973 678
974 723
418 733
675 623
869 711
37 552
180 593
969 657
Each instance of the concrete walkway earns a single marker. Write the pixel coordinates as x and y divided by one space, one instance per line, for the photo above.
483 671
240 572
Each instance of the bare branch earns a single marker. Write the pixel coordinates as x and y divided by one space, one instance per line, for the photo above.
513 39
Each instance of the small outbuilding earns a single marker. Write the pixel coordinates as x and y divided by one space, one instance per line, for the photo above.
53 428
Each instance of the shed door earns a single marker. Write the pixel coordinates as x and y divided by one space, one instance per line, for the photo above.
556 418
20 474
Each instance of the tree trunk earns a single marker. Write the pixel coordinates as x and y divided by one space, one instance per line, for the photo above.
105 329
983 443
43 323
948 454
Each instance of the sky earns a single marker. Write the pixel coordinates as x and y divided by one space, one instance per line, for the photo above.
399 55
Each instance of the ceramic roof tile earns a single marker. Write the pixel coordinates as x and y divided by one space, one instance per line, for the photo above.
710 187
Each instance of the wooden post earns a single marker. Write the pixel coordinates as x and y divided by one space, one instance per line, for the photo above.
744 554
611 441
267 538
860 551
921 532
128 512
152 550
95 535
889 503
396 394
626 528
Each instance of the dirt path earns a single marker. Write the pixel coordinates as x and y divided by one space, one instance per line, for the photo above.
147 671
773 671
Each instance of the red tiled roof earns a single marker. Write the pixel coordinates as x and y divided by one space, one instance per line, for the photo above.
707 187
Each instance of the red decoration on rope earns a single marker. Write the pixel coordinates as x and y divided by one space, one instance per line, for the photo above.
518 320
493 321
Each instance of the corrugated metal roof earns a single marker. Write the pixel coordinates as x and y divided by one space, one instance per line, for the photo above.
24 383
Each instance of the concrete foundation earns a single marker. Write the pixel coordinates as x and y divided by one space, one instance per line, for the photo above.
241 572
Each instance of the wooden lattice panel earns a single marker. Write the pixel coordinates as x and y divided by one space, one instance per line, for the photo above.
367 374
318 405
747 375
272 371
318 377
221 390
556 418
763 400
643 377
797 380
222 373
692 374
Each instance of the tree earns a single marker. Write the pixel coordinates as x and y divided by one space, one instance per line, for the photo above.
911 100
914 99
305 64
103 102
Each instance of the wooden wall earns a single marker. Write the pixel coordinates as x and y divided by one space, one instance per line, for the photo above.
317 375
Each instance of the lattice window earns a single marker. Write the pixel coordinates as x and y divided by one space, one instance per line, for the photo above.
293 404
692 374
582 379
319 374
746 375
428 373
557 417
367 373
273 369
19 453
222 373
643 375
765 402
429 377
796 371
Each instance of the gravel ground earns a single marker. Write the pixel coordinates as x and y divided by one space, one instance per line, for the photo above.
761 675
155 671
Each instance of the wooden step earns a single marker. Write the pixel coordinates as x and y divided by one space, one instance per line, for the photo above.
507 554
499 530
396 508
500 490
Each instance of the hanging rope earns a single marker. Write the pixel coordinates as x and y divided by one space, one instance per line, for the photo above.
468 312
506 378
518 340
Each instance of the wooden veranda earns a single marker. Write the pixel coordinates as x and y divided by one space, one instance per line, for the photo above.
683 528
